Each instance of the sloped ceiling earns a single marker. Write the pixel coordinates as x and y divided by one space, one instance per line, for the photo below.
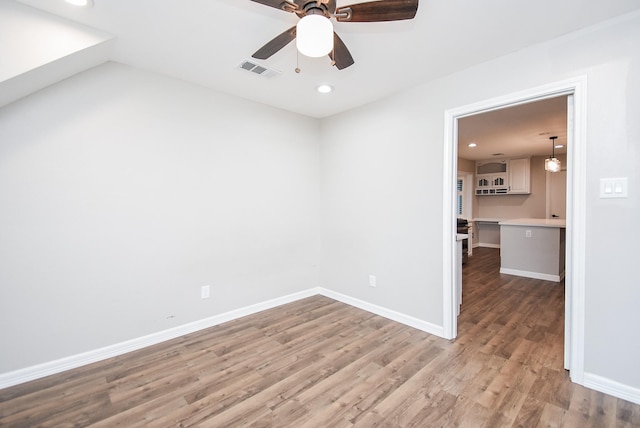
204 41
38 49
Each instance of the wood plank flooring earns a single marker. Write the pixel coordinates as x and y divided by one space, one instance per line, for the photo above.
321 363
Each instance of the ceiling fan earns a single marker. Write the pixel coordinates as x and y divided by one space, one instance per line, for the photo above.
372 11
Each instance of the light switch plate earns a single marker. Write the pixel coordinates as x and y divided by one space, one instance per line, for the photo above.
614 187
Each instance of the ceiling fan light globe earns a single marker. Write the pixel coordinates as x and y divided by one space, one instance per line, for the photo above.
314 36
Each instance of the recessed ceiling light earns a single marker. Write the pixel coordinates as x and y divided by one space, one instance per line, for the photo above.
473 145
324 88
81 3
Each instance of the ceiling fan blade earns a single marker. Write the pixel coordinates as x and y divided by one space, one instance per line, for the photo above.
276 44
340 54
376 11
285 5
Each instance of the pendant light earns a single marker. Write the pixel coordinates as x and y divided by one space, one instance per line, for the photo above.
552 164
314 34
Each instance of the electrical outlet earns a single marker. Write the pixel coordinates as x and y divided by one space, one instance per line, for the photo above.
205 291
372 280
527 233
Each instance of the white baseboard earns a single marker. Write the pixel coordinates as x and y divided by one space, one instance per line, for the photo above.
612 387
535 275
27 374
57 366
384 312
487 245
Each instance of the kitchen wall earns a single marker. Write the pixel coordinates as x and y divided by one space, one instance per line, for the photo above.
124 192
466 165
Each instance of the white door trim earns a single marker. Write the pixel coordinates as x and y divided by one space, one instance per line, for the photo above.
576 211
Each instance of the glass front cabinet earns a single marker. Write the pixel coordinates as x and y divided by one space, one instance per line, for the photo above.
503 177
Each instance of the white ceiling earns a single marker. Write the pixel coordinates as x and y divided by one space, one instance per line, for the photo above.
204 41
522 130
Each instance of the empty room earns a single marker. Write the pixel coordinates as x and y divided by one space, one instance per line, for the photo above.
204 223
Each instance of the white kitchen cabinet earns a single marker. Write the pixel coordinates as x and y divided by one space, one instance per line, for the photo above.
519 176
503 177
491 177
491 184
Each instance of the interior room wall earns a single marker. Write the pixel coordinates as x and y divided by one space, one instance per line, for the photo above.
382 186
124 192
381 205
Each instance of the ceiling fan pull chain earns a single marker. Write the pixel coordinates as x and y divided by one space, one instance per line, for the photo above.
297 61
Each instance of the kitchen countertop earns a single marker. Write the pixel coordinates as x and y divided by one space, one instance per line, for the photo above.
487 220
539 222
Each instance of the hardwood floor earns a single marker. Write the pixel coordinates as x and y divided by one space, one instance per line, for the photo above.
321 363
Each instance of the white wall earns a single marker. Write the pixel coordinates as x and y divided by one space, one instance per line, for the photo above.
381 201
123 192
382 186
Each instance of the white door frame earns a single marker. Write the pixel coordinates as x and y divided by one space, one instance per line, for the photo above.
576 210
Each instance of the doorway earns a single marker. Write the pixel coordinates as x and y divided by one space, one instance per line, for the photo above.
556 194
575 90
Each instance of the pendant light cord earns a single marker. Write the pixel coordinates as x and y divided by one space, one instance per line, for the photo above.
553 146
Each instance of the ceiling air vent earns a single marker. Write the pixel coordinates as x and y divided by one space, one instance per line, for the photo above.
258 69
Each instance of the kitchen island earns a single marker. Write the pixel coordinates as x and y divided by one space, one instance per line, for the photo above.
533 248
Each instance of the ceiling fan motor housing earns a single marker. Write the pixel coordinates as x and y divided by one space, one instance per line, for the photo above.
324 7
